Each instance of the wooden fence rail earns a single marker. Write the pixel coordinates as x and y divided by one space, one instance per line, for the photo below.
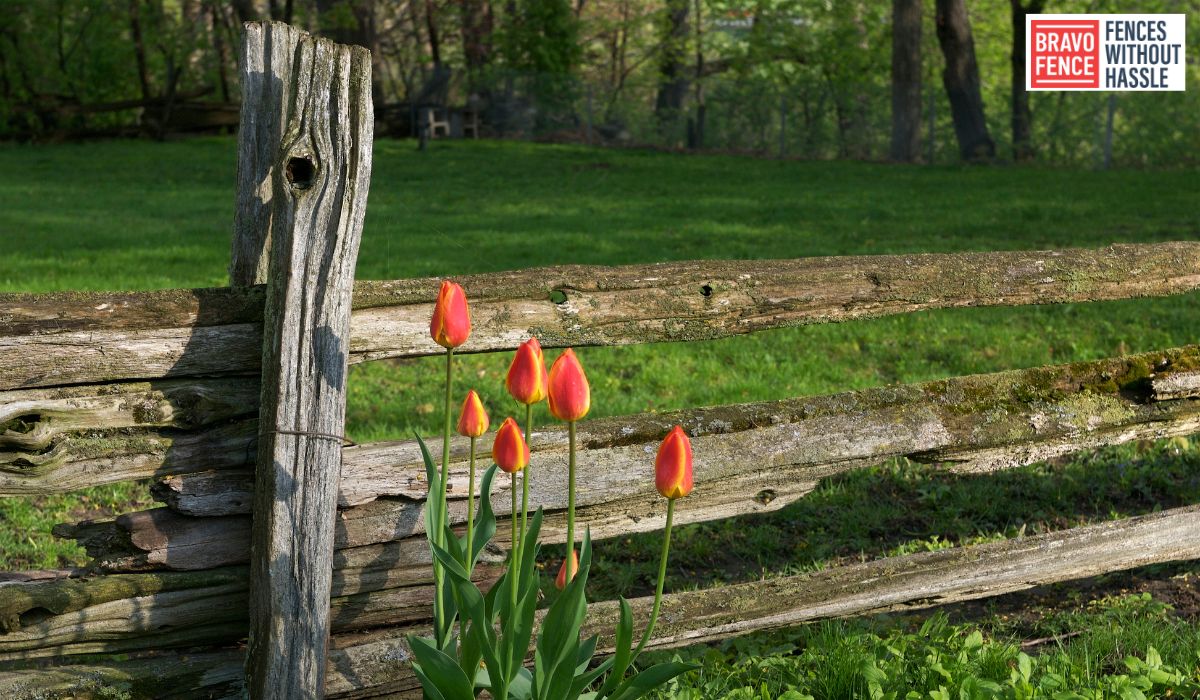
68 438
753 457
373 663
76 338
232 402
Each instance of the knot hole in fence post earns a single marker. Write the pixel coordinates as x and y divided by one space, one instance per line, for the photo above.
300 172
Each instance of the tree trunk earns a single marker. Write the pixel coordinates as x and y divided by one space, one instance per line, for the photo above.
477 24
431 26
1022 118
360 31
217 23
246 11
282 11
139 47
906 80
961 78
672 83
696 135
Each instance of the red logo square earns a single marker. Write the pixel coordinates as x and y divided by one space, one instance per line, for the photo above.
1064 53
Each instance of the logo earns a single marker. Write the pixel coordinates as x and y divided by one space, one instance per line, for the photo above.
1105 52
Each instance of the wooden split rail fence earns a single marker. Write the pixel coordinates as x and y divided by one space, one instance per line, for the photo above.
191 389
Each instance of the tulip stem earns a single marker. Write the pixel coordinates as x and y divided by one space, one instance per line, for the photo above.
525 480
662 576
570 494
439 612
446 443
513 566
470 562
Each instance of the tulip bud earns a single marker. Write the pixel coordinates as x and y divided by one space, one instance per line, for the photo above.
509 450
527 378
473 420
568 391
564 577
451 322
673 465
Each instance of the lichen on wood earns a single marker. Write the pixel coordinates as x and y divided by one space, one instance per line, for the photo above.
132 612
985 411
32 419
969 424
80 459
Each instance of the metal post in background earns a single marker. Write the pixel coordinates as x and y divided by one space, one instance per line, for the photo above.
1108 130
932 123
782 126
589 115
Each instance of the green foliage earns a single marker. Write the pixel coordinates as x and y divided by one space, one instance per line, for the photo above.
940 661
58 56
541 47
543 37
496 629
821 67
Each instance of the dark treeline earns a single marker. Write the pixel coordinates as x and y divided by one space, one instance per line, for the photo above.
906 80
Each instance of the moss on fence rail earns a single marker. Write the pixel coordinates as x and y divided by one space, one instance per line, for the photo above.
753 457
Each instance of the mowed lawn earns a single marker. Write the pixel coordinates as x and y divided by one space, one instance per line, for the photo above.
136 215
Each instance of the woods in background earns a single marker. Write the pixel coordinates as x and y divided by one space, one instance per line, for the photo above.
909 80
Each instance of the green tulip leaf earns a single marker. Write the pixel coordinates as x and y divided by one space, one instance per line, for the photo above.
485 521
586 650
558 645
645 681
585 680
623 656
428 686
528 570
473 609
432 504
520 628
436 666
521 687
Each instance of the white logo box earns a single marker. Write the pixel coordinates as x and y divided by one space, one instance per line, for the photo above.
1099 52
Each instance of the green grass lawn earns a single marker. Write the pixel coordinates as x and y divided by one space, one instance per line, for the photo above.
135 215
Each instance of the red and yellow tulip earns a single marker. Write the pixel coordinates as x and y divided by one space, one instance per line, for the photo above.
472 419
673 465
509 450
565 576
527 377
451 322
568 390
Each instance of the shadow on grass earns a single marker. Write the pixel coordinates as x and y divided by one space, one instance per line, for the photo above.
903 507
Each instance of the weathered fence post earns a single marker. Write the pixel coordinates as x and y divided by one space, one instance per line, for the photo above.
304 165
